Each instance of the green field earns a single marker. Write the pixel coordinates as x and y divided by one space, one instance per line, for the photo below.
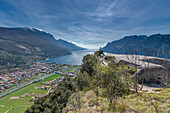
20 105
35 77
71 70
52 77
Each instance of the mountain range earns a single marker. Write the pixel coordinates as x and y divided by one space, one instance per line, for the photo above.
32 42
153 45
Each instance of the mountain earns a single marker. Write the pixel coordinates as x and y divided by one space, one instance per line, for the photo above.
27 45
26 41
69 46
154 45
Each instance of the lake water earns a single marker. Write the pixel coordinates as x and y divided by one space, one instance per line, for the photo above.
74 59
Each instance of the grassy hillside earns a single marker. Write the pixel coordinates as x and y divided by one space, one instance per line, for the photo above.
146 102
103 89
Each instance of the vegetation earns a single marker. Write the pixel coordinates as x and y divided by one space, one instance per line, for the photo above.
99 53
10 62
145 102
24 102
20 105
55 101
114 79
110 89
99 88
52 77
70 70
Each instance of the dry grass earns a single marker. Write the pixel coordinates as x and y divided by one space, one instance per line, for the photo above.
144 102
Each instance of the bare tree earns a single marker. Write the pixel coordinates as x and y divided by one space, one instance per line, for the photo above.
134 59
147 51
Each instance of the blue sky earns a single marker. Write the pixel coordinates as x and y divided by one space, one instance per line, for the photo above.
88 23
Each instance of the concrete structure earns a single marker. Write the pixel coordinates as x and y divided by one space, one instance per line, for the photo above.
150 69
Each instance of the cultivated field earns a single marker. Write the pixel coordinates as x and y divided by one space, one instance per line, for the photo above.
21 104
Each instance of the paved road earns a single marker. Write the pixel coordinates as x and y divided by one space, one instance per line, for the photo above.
28 83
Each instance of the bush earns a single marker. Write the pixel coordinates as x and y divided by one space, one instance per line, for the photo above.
55 101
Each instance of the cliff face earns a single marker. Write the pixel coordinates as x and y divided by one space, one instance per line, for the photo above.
154 45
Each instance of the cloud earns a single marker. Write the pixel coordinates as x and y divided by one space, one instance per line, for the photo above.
88 23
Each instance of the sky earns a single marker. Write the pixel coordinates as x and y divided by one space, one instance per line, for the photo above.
88 23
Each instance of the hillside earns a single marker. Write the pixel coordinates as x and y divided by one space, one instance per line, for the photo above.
152 101
104 89
154 45
26 41
69 46
26 45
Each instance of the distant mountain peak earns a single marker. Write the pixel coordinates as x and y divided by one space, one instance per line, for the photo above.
69 45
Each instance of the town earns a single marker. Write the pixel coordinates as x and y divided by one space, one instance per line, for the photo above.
35 71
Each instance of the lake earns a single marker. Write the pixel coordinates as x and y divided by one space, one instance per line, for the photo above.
74 59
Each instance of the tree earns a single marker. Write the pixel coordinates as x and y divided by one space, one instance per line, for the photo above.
55 101
89 64
83 81
99 53
134 59
115 82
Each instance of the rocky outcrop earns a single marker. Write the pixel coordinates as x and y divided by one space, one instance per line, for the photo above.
150 69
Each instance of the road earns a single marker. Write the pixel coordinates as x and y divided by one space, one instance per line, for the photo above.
28 83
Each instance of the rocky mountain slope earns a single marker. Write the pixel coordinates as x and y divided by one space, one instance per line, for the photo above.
19 41
154 45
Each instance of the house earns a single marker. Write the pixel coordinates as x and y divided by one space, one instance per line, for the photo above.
32 99
1 88
42 87
36 87
12 82
46 87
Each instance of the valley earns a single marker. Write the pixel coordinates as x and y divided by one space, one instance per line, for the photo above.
20 97
84 56
48 75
